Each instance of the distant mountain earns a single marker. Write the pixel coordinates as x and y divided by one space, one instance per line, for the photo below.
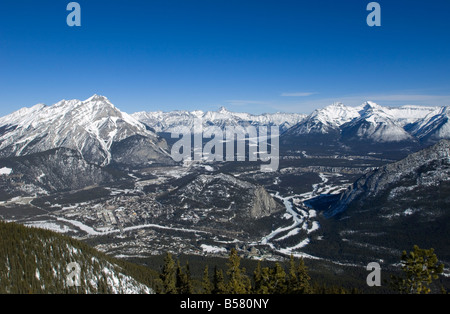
90 127
435 126
368 128
104 135
319 132
168 122
39 261
376 125
325 121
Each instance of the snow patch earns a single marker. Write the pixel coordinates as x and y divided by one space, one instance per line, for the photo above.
5 171
212 249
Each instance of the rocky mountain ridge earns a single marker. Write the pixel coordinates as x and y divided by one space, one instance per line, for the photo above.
428 167
90 127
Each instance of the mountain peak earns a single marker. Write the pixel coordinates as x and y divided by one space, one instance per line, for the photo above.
90 127
97 97
223 110
371 105
446 110
336 104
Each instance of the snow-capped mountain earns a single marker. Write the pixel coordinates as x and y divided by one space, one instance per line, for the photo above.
409 114
102 134
435 126
325 120
375 124
90 127
367 128
371 120
174 121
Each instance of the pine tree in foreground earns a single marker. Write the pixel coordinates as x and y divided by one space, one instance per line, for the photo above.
206 283
168 275
219 286
238 282
420 267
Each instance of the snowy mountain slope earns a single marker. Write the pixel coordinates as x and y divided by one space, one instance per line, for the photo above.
104 135
41 261
89 127
409 114
435 126
375 124
170 122
369 128
325 120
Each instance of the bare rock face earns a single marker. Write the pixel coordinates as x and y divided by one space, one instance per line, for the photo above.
263 205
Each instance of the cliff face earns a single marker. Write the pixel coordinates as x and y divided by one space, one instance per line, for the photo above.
263 204
425 168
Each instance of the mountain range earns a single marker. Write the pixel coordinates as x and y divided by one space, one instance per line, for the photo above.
97 171
170 122
368 128
104 135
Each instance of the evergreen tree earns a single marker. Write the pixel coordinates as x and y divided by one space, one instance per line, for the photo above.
206 283
188 287
257 279
219 286
238 283
34 261
303 278
168 275
180 279
278 280
292 280
265 286
420 267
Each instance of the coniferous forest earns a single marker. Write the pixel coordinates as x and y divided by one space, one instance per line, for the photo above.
35 261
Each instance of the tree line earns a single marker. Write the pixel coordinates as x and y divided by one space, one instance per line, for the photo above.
419 271
32 261
177 279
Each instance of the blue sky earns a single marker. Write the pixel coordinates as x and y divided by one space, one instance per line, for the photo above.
247 55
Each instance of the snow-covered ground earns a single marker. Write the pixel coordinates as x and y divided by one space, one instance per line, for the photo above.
212 249
5 171
304 219
48 225
94 232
